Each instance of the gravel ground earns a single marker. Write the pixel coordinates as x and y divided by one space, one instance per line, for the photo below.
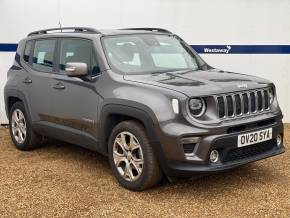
64 180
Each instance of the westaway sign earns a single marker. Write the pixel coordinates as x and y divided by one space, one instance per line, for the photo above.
218 50
242 49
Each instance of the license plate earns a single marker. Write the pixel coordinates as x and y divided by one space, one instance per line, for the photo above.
254 137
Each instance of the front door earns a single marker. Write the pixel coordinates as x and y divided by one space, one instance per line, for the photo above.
75 100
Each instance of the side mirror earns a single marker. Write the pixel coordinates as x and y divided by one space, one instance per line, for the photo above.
76 69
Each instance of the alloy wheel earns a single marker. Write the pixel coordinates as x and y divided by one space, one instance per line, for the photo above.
128 156
18 125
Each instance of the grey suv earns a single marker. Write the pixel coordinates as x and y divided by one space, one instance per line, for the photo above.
144 98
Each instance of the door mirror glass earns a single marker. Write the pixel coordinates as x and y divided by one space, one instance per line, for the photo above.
76 69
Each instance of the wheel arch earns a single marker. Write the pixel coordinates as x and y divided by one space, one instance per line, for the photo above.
113 114
11 97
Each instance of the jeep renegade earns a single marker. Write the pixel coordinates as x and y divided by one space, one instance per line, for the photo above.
144 98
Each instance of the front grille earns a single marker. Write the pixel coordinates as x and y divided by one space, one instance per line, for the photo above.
253 101
249 151
250 126
242 104
238 104
230 105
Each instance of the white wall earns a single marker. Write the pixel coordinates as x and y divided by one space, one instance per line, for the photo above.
6 60
205 22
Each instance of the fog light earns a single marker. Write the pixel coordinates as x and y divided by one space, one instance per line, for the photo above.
214 156
279 140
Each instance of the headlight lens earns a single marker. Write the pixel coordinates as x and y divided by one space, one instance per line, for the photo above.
196 107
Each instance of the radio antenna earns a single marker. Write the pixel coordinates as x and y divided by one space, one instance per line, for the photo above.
60 26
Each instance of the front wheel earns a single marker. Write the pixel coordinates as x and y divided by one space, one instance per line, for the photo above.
131 157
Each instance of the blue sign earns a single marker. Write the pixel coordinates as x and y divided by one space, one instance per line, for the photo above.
242 49
6 47
208 49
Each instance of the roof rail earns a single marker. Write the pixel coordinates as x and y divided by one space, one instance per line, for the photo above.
74 29
149 29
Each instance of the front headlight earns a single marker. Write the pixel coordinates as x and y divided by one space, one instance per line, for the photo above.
197 107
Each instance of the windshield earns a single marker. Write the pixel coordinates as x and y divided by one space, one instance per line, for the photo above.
149 53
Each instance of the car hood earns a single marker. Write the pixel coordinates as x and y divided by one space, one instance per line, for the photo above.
201 82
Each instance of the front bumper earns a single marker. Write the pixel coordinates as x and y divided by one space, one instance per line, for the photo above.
179 169
176 163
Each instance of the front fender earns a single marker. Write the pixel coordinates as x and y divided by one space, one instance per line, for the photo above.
144 115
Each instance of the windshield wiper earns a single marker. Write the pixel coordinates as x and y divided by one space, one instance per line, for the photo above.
171 71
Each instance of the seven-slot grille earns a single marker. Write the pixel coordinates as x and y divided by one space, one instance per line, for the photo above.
243 103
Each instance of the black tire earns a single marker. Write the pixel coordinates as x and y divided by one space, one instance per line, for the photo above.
32 139
151 174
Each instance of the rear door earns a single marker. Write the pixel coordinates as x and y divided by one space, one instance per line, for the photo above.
38 78
75 100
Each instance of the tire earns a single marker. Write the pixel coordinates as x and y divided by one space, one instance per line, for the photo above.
30 139
150 173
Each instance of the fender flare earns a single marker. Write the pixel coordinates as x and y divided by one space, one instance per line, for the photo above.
125 110
146 117
17 94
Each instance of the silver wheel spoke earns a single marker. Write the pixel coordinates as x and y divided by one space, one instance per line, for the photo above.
128 172
15 118
15 133
123 141
137 165
133 144
118 158
23 130
20 117
121 145
20 134
14 129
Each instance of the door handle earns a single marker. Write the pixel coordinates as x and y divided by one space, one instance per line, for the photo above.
27 80
59 85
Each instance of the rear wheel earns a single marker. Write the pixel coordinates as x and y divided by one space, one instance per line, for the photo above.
21 132
131 157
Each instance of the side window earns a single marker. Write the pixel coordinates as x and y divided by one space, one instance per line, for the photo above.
78 50
27 50
43 55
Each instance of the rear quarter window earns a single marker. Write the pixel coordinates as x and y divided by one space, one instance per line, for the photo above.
27 51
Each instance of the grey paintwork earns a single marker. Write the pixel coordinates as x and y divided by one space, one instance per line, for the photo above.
77 109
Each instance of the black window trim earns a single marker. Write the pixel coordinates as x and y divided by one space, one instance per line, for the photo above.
54 54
